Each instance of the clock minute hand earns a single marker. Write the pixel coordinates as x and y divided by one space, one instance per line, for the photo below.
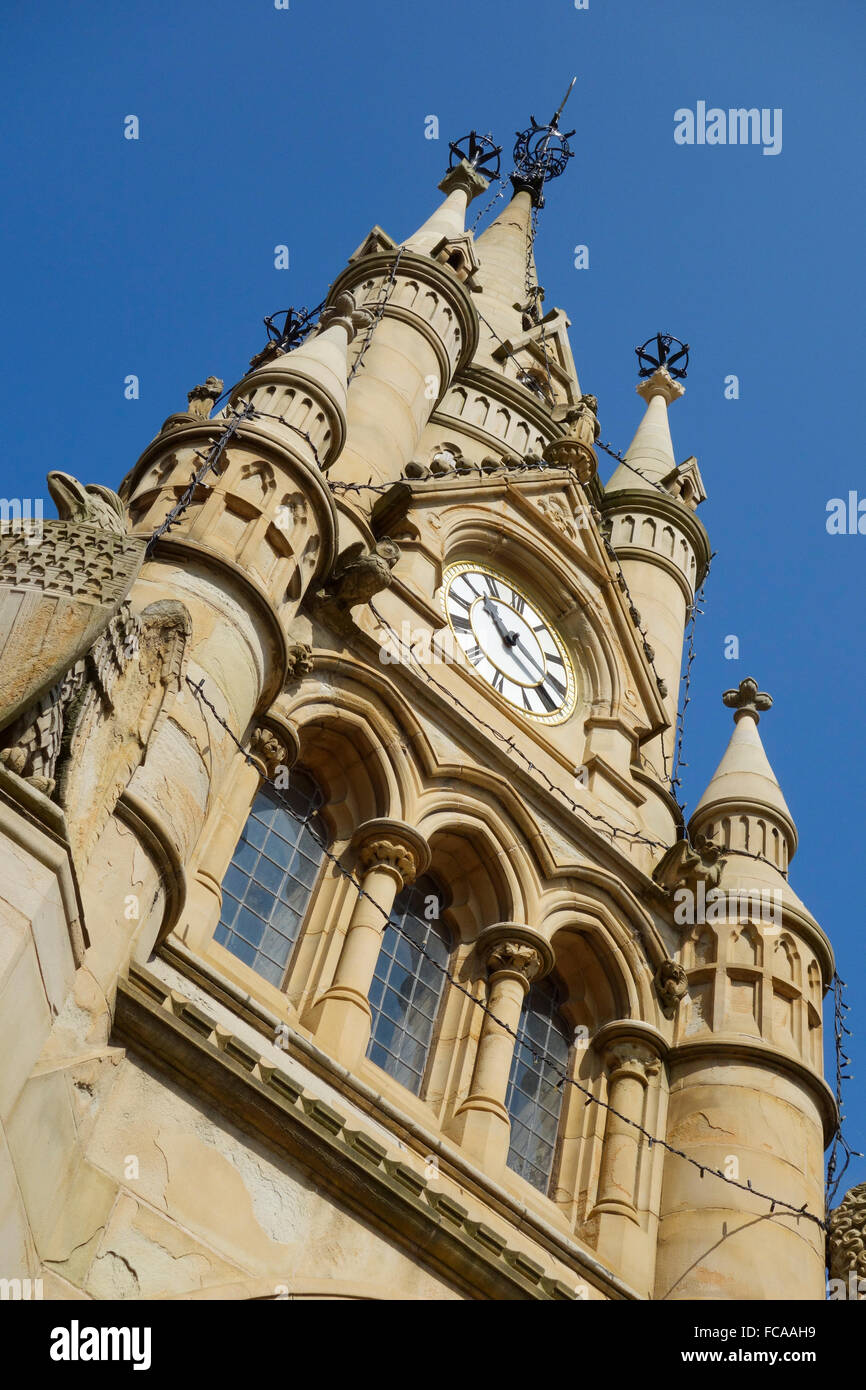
520 646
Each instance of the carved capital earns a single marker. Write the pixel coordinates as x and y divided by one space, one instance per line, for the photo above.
389 854
515 950
391 844
272 747
631 1057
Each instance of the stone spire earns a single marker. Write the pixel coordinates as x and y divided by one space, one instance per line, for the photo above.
460 185
318 367
502 250
744 799
651 451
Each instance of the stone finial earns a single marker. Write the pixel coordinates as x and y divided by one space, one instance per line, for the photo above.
343 314
747 699
202 399
671 985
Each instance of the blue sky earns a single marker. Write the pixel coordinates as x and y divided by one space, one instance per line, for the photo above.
306 127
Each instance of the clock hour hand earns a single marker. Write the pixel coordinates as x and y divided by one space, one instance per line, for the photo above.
509 638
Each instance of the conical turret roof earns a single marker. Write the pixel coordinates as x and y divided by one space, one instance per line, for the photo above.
651 452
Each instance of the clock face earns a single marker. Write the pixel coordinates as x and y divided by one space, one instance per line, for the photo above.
510 644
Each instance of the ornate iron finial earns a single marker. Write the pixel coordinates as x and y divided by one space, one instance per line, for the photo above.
296 324
542 151
747 699
661 355
477 150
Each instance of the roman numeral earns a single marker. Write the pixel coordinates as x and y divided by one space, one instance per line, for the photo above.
518 602
546 698
498 682
527 703
464 603
556 686
554 656
460 623
474 653
491 585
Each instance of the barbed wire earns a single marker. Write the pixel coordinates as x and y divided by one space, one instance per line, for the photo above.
210 460
686 680
840 1143
386 289
540 1055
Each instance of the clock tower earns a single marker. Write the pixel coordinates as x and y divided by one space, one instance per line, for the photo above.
345 868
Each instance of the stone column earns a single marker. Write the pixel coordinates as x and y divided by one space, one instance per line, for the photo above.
390 855
515 955
632 1054
272 746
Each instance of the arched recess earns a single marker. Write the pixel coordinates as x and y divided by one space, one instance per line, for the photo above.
560 576
357 755
471 854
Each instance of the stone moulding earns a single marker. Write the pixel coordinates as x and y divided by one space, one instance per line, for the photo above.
180 1038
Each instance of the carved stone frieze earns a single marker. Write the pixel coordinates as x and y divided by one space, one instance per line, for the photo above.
846 1240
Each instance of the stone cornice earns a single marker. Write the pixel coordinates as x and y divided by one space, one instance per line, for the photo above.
721 1047
176 1036
654 502
424 268
202 435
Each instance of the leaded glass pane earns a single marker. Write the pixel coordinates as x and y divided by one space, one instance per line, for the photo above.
534 1097
270 880
407 987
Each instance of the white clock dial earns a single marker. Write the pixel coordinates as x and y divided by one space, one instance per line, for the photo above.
510 644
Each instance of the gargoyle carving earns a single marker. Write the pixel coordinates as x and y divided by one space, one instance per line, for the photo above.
671 985
574 450
686 864
202 399
358 575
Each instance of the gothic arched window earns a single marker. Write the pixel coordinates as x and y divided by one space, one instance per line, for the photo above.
534 1100
407 987
271 878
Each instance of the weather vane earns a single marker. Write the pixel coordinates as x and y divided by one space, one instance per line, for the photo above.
661 355
477 150
542 151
